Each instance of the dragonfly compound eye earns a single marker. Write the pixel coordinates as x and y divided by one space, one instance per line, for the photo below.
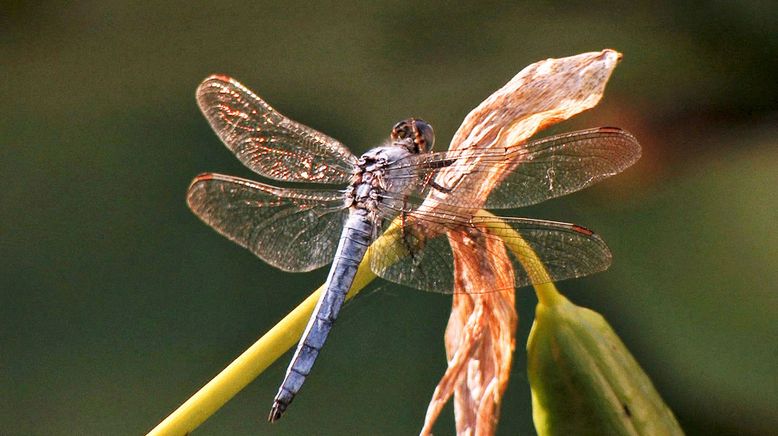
424 136
402 130
418 131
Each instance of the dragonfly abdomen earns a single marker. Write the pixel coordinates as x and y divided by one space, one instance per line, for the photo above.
354 240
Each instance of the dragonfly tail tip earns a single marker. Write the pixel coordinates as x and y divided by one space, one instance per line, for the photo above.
276 411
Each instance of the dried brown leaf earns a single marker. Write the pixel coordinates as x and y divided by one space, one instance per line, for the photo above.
481 332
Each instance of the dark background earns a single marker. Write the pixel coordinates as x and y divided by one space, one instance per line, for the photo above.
116 303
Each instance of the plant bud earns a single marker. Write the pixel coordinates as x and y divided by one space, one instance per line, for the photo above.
584 381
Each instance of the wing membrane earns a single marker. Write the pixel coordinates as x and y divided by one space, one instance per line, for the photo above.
531 173
292 229
266 141
419 253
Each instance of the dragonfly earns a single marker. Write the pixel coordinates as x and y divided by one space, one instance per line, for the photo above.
403 180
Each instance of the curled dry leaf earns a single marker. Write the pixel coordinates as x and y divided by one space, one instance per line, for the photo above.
481 333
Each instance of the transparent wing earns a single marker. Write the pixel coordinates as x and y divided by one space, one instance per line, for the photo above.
419 254
527 174
292 229
267 142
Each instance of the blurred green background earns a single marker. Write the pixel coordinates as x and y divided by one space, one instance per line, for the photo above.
116 303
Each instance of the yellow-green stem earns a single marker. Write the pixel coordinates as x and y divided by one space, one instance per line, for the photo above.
545 290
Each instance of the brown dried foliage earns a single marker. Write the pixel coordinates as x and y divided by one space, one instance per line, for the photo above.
481 333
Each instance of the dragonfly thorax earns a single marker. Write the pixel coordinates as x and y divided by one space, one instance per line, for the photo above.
376 178
375 175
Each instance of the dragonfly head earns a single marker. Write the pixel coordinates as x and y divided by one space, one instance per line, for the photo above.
415 134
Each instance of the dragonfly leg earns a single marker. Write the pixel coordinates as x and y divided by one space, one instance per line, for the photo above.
439 188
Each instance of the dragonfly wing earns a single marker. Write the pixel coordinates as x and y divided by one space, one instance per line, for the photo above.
266 141
563 164
527 174
292 229
419 254
564 250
